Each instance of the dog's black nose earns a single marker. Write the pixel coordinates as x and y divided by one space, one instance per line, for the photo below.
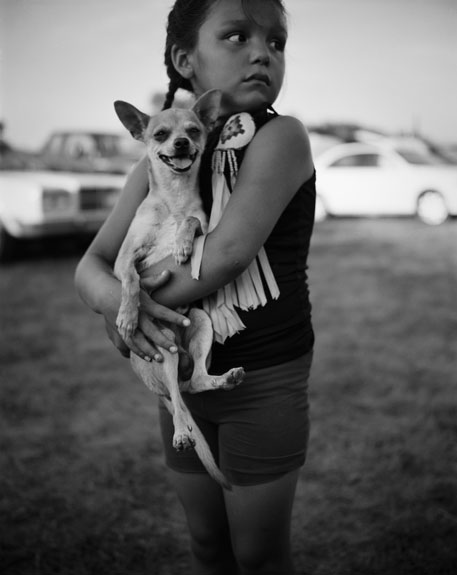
181 144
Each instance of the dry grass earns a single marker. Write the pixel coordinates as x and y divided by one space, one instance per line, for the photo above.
83 488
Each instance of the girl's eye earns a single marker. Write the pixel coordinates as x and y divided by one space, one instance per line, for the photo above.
278 45
237 38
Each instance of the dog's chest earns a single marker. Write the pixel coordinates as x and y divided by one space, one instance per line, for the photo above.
155 230
155 227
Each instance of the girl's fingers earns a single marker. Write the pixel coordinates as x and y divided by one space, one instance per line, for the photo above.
150 336
170 316
143 348
156 310
162 313
155 335
120 345
116 339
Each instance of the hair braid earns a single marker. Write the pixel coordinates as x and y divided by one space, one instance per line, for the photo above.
184 22
170 95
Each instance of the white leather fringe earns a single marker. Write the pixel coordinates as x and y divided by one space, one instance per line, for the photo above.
247 291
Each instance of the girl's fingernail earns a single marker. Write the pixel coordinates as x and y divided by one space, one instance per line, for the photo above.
158 357
186 322
173 349
147 358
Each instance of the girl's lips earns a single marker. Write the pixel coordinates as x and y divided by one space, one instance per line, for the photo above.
264 78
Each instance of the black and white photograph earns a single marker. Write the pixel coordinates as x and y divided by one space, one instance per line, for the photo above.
228 284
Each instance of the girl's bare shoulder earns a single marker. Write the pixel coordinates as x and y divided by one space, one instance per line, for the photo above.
286 130
284 140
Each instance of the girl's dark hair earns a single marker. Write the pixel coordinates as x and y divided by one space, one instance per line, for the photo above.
184 22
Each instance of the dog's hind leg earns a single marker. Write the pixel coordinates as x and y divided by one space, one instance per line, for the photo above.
198 338
201 447
167 373
161 378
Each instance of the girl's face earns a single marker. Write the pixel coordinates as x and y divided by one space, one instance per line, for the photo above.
242 56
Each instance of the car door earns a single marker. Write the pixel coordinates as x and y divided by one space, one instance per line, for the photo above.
362 183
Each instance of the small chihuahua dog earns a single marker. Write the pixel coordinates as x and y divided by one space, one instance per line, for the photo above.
165 223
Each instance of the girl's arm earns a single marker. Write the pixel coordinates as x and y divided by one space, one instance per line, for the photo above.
276 163
101 290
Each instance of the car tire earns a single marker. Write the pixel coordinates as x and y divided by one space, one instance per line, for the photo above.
431 208
320 212
8 245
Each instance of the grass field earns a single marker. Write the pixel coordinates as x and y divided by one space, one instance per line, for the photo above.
83 487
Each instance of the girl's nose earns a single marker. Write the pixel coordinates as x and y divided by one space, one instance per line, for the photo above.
260 53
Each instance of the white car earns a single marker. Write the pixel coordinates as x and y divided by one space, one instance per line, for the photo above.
388 179
37 204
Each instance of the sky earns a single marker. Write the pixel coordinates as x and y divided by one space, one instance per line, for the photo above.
387 64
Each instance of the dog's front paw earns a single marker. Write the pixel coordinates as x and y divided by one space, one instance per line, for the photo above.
126 324
182 251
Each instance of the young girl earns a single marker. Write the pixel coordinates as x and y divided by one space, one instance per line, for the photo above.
258 431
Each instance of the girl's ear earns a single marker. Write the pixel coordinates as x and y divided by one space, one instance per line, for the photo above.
182 62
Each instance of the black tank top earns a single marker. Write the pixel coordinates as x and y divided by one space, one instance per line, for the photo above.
282 329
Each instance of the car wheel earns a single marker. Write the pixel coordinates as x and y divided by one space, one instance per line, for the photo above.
7 245
431 208
320 212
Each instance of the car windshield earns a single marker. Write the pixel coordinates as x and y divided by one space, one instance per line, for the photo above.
111 145
420 158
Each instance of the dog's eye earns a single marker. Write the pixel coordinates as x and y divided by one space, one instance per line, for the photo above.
160 134
194 131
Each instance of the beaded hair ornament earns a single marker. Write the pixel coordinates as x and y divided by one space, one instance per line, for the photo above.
247 291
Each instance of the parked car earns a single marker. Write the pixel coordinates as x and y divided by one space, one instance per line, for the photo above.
358 179
14 159
35 204
79 151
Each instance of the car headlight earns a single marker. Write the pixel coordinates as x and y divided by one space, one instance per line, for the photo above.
56 200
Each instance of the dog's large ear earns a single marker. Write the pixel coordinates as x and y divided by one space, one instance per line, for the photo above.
135 121
207 107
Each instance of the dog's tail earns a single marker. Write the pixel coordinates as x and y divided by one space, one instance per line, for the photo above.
201 446
204 453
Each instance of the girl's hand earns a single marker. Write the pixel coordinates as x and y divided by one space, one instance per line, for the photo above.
149 335
116 339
